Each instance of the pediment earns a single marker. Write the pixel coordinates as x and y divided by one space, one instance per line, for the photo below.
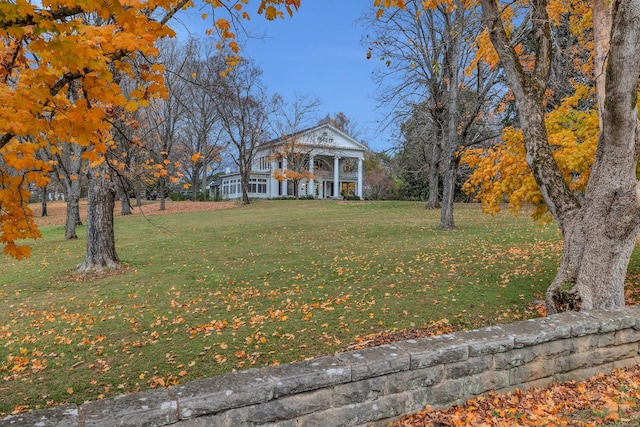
327 136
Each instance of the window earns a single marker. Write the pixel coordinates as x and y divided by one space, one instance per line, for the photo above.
265 164
258 186
231 186
348 189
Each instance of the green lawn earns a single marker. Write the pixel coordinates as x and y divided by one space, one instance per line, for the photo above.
274 282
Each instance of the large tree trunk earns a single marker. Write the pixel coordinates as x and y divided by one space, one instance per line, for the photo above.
449 167
452 142
204 183
601 35
138 192
446 211
610 221
101 248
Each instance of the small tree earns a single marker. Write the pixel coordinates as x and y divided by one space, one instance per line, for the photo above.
244 116
294 153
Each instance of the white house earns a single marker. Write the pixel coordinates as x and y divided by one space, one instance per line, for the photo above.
328 164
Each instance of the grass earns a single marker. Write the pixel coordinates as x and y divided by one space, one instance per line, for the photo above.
274 282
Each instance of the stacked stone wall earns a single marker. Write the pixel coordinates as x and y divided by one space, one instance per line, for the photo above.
376 385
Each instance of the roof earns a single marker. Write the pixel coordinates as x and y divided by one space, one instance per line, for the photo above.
324 135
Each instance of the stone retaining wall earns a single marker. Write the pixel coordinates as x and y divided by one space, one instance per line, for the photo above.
376 385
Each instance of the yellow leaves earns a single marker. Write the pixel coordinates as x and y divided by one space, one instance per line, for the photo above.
272 13
270 8
196 157
484 53
131 105
387 4
223 25
502 171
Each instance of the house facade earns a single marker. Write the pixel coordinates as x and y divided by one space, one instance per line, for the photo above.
321 162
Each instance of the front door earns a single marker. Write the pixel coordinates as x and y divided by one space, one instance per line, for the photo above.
328 189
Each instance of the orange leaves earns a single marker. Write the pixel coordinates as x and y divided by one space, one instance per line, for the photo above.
270 8
485 53
71 94
601 400
208 328
501 171
18 366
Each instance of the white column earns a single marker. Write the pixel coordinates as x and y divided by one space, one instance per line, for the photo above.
284 181
359 184
336 171
310 189
273 183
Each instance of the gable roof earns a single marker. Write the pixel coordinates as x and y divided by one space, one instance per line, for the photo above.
325 136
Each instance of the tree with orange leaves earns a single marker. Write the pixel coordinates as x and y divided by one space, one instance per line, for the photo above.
601 227
48 46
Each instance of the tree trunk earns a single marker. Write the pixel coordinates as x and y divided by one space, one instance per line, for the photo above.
601 34
448 197
452 139
610 222
433 201
162 189
245 194
101 248
245 173
73 209
44 201
194 182
204 183
125 205
138 192
433 198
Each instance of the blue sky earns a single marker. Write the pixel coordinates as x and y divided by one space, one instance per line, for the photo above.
318 53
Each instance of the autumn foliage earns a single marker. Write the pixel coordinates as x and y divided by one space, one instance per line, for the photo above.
501 173
601 400
60 66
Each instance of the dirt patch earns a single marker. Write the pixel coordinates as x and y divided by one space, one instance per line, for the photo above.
57 210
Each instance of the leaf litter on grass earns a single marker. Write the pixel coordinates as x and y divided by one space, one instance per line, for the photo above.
212 308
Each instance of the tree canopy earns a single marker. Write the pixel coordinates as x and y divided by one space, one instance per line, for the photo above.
582 169
51 45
